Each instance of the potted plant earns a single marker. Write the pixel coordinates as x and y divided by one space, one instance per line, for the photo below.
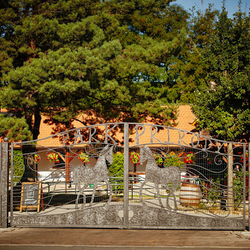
84 158
158 159
134 157
37 158
189 158
53 157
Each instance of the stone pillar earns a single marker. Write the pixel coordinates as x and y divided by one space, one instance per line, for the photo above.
4 148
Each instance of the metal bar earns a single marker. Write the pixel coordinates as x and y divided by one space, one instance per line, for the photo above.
230 198
1 184
12 184
248 186
244 186
126 170
4 184
132 189
67 170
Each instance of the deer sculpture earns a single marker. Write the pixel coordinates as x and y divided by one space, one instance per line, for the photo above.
92 175
156 175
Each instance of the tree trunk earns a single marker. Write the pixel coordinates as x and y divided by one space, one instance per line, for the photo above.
28 150
37 122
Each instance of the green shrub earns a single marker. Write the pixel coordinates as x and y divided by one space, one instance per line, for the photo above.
19 168
213 192
173 160
116 172
238 187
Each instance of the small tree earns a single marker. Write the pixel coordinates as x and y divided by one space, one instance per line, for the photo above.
117 172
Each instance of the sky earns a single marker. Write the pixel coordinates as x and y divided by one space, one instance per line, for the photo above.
231 5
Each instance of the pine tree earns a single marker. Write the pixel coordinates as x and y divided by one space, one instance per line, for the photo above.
103 57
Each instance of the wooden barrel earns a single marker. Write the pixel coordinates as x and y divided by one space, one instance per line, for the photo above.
190 194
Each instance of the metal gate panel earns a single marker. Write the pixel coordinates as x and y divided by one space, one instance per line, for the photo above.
74 188
182 181
194 194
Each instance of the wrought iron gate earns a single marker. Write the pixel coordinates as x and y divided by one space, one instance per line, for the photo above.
129 175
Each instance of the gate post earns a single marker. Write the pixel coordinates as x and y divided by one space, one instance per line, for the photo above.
230 198
126 170
4 183
248 163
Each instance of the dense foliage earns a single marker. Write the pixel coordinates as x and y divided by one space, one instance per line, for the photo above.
223 107
13 128
127 60
108 58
